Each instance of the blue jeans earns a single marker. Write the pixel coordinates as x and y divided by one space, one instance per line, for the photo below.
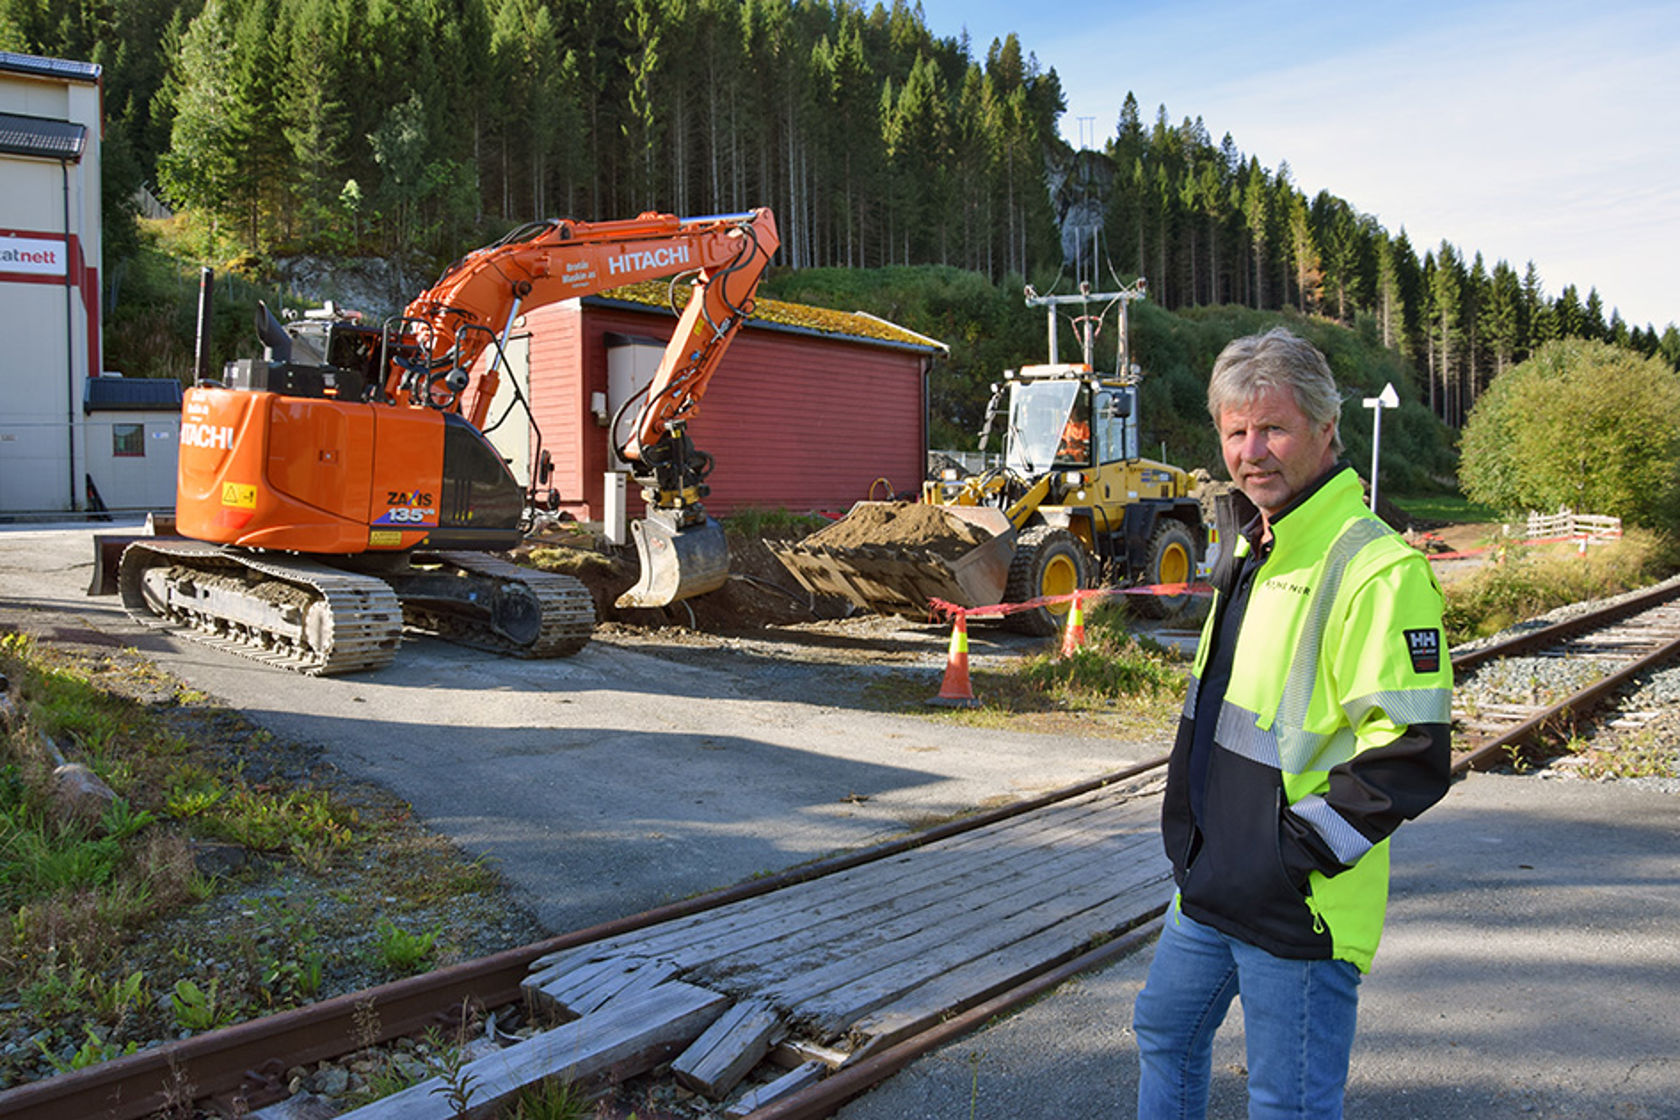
1298 1020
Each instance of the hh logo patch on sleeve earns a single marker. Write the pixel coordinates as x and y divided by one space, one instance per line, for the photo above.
1425 648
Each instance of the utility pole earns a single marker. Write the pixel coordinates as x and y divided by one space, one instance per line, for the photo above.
1087 324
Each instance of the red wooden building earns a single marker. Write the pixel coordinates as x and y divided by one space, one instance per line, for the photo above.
810 409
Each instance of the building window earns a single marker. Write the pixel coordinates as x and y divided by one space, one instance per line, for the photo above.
128 440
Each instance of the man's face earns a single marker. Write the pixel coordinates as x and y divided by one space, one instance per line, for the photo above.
1272 450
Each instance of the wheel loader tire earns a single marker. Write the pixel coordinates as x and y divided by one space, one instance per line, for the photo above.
1171 559
1048 561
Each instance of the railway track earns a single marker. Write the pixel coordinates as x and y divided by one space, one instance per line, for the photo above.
241 1068
1611 646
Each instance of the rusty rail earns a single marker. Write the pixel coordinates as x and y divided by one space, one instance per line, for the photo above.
243 1065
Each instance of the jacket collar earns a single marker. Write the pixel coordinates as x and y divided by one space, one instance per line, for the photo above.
1333 485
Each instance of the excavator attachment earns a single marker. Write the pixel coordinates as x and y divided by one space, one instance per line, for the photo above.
677 563
895 557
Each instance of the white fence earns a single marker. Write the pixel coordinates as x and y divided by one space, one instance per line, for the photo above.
971 461
1593 527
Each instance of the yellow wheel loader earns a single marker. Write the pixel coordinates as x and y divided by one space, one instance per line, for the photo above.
1071 505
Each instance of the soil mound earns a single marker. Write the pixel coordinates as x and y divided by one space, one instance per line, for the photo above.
759 593
904 525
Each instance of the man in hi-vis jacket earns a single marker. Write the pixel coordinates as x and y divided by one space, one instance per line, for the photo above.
1316 721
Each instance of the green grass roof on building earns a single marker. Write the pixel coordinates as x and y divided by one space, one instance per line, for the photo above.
778 314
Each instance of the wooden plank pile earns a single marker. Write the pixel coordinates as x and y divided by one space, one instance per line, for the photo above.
836 968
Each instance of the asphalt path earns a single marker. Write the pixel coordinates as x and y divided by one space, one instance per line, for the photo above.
601 784
1530 968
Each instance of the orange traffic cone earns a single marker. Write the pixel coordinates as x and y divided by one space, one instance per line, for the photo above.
956 692
1074 635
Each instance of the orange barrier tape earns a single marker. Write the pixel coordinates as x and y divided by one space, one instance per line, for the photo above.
951 610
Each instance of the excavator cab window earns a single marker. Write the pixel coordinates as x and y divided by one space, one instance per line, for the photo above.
355 348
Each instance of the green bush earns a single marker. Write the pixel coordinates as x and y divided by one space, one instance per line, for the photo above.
1581 425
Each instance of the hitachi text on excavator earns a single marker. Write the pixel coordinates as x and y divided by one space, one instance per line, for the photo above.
342 486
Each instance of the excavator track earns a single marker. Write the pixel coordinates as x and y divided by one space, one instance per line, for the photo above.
304 616
567 610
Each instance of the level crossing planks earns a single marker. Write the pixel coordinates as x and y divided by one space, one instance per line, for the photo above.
863 956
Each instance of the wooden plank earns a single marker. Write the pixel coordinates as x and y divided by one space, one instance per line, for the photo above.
649 976
667 937
850 987
849 950
971 848
904 886
897 884
581 999
631 1038
791 1082
960 988
792 1053
548 984
887 901
730 1048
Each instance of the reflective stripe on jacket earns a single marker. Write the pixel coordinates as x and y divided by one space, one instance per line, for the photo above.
1332 730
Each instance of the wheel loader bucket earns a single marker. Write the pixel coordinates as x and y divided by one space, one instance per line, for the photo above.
676 563
867 559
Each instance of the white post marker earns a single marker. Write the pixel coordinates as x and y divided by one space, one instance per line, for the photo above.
1388 398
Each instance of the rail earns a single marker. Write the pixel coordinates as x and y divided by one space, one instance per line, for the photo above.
241 1067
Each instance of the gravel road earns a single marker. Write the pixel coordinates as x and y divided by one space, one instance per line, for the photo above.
644 769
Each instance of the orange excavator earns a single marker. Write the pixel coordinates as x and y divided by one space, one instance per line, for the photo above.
341 486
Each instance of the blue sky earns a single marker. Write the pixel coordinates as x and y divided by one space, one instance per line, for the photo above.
1540 131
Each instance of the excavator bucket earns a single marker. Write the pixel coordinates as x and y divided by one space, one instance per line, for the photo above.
677 563
895 557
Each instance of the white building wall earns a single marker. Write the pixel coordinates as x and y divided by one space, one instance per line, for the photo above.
49 316
133 457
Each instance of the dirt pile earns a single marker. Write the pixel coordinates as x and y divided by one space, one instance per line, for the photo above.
903 525
759 593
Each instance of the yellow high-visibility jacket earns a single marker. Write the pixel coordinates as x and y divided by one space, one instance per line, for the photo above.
1333 727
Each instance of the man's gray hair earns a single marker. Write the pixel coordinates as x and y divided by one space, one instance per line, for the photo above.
1249 366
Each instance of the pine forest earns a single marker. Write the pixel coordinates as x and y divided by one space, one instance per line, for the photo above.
416 129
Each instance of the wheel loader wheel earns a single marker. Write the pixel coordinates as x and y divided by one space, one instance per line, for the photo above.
1171 559
1048 561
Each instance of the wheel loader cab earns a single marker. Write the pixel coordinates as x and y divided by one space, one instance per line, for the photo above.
1049 426
1074 450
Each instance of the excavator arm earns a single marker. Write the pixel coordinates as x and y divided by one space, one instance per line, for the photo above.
473 306
455 320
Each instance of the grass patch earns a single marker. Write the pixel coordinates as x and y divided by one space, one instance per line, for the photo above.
552 1099
1117 682
1531 581
778 524
1450 509
115 939
402 952
1643 754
